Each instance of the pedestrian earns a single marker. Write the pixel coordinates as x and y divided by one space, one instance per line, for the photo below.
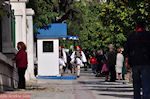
99 57
119 64
129 71
77 59
68 61
111 62
62 60
94 63
105 70
137 50
124 68
87 57
21 64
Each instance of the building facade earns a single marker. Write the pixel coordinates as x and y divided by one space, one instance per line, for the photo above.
8 71
24 31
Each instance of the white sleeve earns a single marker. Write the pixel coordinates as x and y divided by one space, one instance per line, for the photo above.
83 57
65 57
72 55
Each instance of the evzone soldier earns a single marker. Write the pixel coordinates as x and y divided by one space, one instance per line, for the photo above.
77 58
62 60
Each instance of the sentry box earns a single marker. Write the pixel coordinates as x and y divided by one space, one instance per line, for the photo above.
48 48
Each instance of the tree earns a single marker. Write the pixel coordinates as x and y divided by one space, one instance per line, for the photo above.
53 11
45 12
96 23
57 11
111 22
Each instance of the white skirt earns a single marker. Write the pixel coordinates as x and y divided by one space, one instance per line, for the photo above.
119 69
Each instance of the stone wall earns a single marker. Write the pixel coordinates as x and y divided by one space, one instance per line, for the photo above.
8 74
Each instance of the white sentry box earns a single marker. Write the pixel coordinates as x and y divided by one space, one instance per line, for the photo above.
48 57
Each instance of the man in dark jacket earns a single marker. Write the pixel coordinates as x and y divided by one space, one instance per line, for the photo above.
138 52
111 62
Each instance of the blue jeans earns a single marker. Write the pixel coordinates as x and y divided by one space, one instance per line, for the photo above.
94 68
141 79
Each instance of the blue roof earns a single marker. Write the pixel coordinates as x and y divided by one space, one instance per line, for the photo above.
71 37
54 30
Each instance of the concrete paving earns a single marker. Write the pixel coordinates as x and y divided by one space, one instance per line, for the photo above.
86 87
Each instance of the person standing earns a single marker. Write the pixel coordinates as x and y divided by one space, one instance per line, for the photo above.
21 64
137 50
94 63
105 70
111 62
77 58
99 57
62 60
119 64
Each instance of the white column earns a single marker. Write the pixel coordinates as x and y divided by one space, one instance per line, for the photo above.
19 7
30 42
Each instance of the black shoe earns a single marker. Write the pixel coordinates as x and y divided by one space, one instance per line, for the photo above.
96 75
78 76
112 81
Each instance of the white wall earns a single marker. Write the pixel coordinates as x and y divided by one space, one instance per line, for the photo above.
48 62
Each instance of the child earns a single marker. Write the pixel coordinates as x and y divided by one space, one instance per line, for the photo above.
105 70
94 62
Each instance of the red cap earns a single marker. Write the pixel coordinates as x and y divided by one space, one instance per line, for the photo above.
77 46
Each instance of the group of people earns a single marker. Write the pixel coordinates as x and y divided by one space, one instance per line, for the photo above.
111 62
77 58
102 64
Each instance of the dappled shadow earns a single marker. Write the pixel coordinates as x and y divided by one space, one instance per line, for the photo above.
112 87
118 95
107 89
99 83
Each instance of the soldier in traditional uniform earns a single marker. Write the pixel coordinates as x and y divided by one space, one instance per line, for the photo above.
62 60
77 58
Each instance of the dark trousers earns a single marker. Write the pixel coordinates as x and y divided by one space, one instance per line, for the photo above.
21 74
112 73
141 79
85 66
99 68
94 68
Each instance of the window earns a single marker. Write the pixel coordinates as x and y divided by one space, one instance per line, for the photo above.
47 46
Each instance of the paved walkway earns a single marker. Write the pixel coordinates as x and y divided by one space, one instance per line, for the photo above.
86 87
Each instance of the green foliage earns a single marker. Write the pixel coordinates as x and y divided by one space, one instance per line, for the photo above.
44 12
97 24
111 22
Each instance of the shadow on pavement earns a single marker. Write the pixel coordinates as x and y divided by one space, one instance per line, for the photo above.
111 87
118 95
99 83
